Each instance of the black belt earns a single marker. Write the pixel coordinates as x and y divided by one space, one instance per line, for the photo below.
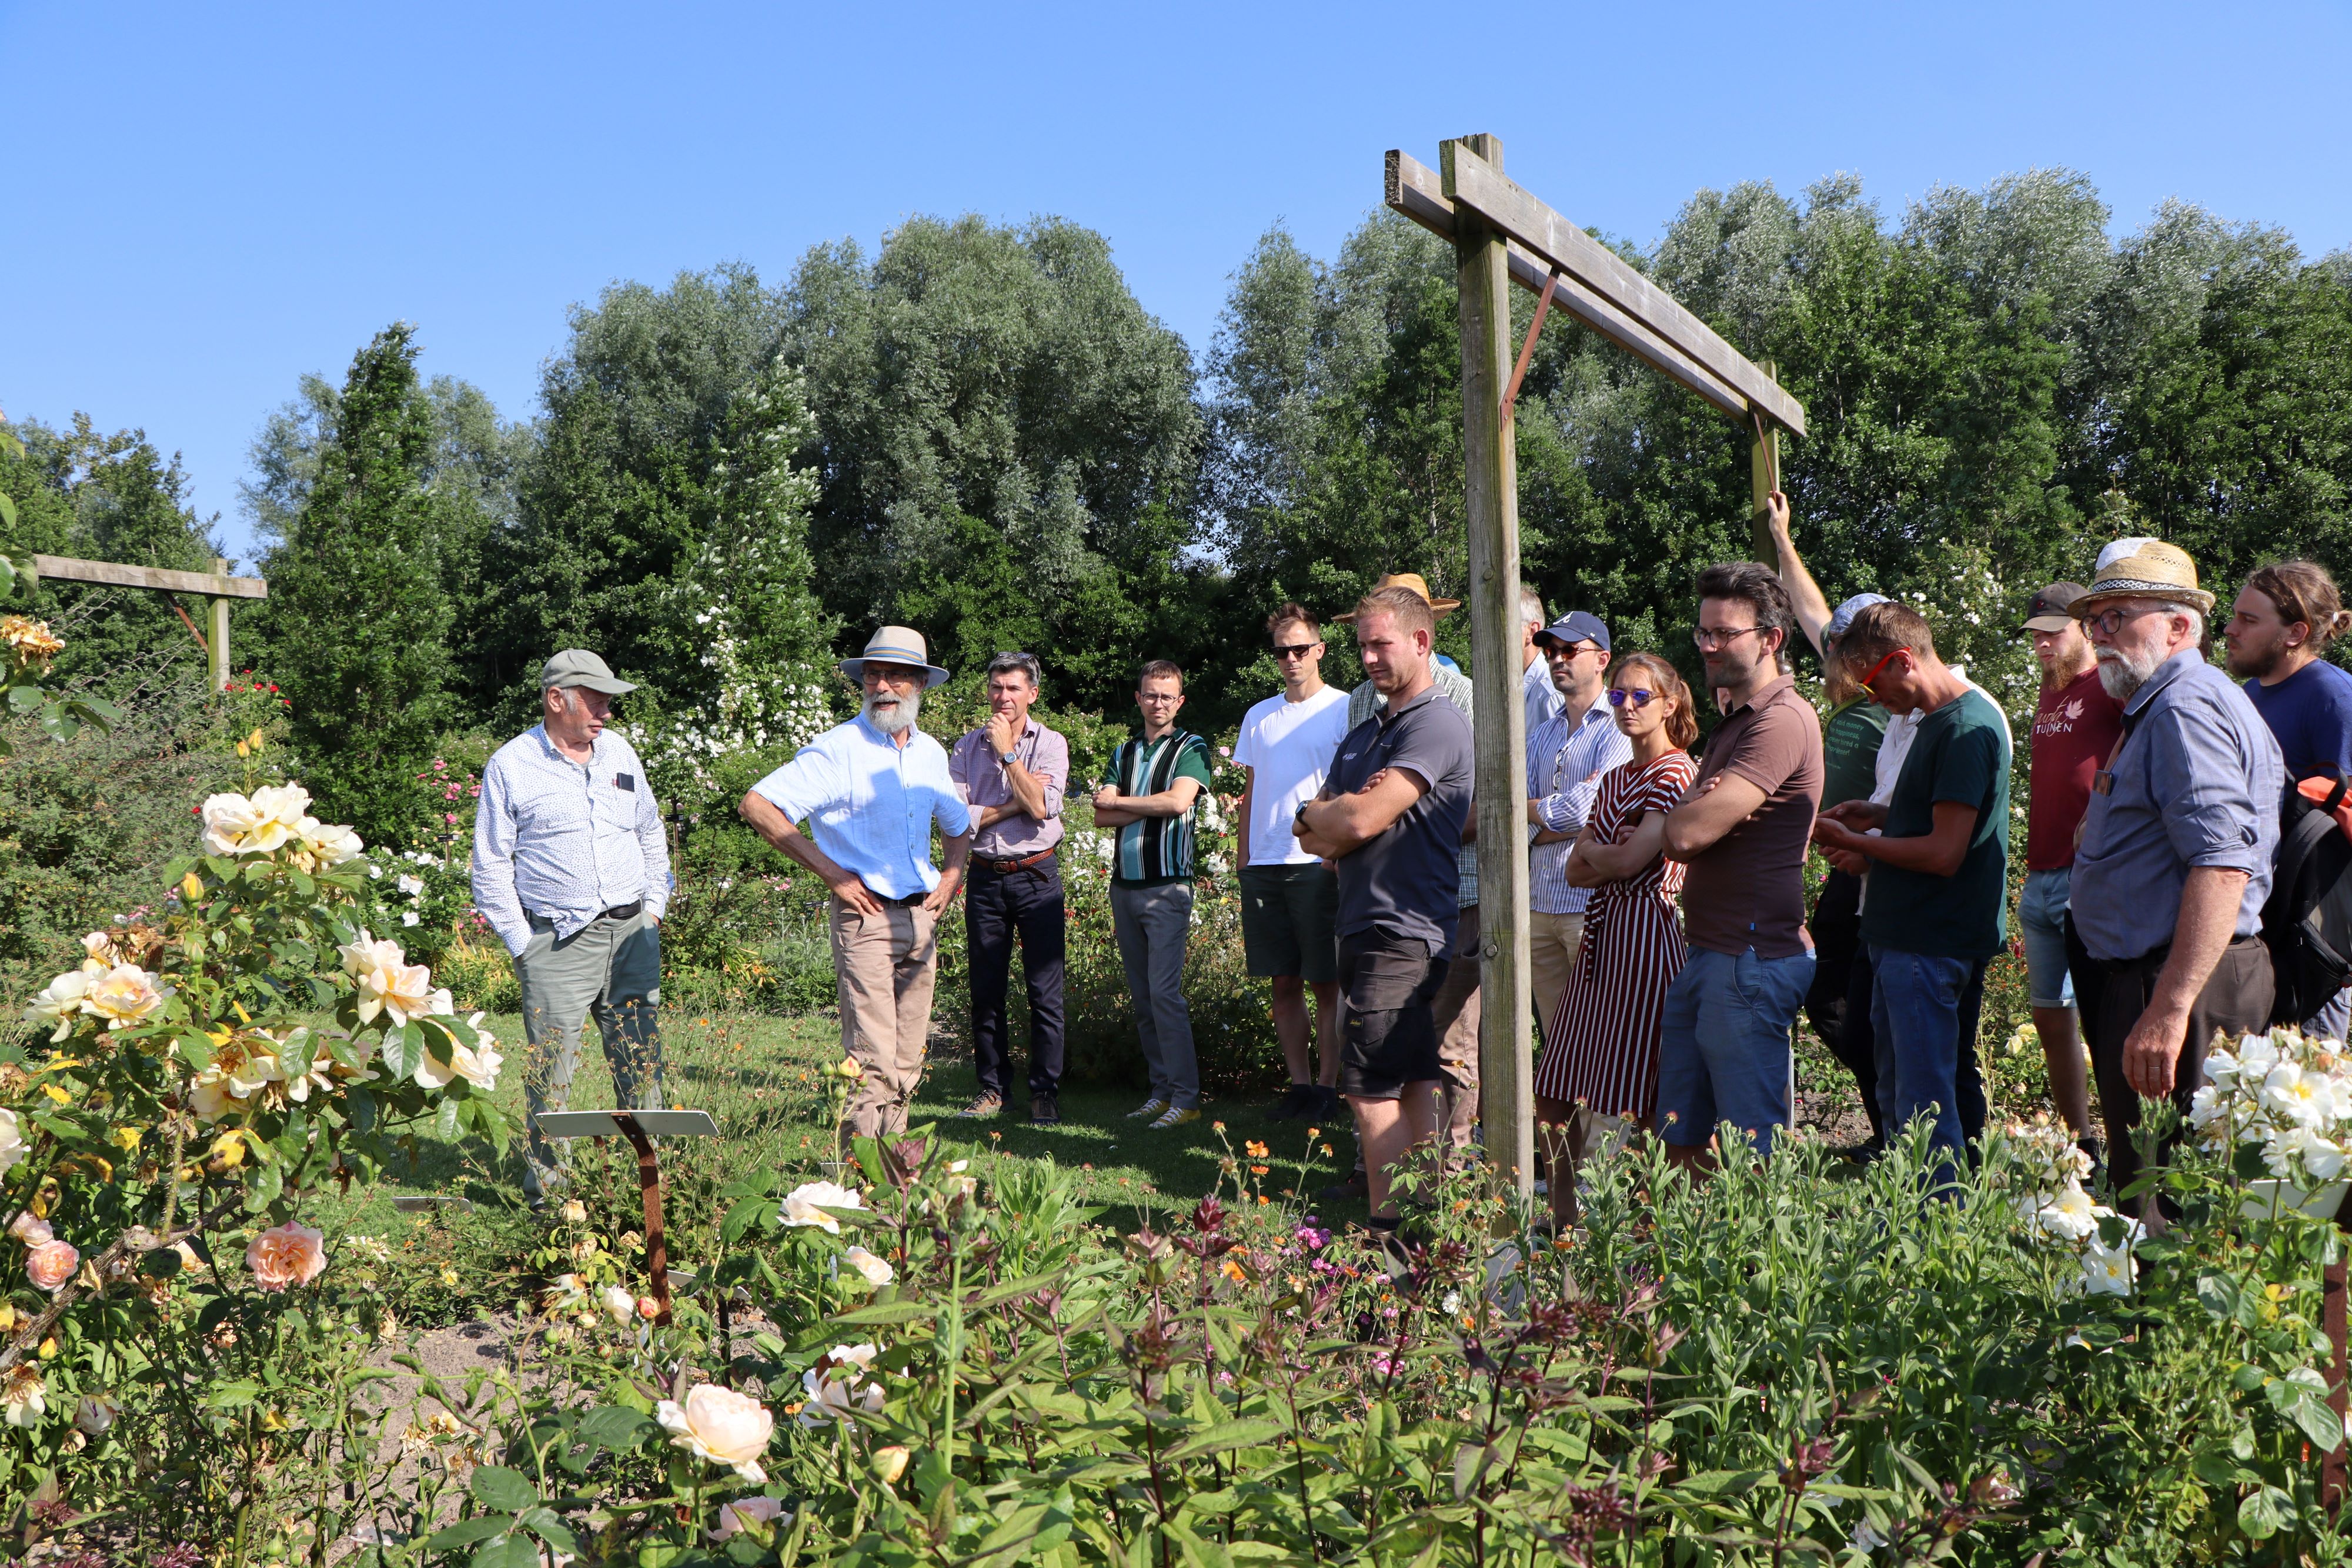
629 910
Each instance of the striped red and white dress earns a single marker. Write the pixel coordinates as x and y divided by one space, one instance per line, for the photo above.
1602 1049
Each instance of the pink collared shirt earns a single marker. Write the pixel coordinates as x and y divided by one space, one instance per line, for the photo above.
980 779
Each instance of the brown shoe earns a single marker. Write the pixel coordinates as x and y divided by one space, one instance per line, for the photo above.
986 1105
1045 1111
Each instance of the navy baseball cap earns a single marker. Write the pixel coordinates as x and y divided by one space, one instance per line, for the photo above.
1576 627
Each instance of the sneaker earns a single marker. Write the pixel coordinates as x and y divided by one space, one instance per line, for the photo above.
986 1105
1176 1115
1045 1111
1148 1110
1354 1189
1294 1102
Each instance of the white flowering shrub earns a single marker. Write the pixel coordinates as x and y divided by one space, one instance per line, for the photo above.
2040 1166
2288 1095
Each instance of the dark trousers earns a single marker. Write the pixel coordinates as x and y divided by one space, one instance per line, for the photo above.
1839 1017
1858 1048
2112 994
998 906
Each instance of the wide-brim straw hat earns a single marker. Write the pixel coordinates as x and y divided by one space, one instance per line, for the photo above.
2143 568
896 645
1413 580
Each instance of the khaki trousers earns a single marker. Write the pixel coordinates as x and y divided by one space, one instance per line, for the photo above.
1552 943
885 964
609 970
1456 1009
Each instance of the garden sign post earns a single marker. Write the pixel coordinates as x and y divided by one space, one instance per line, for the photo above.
1503 234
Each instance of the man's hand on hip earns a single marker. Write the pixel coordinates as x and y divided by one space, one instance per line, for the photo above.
853 893
939 897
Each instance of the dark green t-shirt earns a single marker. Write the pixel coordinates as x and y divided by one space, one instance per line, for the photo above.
1961 754
1850 739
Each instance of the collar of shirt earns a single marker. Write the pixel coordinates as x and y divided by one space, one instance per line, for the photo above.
555 753
1771 693
1391 713
2171 670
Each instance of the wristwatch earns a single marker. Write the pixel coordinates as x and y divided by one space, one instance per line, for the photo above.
1298 818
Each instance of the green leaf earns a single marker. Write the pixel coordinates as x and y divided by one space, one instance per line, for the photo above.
508 1552
235 1395
466 1532
2266 1513
2322 1424
613 1426
404 1047
549 1527
1244 1434
509 1490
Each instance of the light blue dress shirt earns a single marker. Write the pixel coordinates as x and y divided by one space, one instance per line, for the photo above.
1564 769
1540 698
563 839
870 804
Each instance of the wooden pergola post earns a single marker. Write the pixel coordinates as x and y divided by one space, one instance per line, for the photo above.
1501 235
1506 1062
217 588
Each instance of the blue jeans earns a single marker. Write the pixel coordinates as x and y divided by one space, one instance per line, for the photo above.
2041 923
1724 1053
1915 1007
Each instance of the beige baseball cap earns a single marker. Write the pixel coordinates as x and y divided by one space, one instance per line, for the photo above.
578 667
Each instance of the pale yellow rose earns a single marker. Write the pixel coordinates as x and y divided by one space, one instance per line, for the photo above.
228 817
12 1141
279 812
746 1510
288 1254
325 845
51 1264
59 1003
30 1229
125 995
889 1463
32 642
387 982
99 944
476 1065
721 1426
23 1397
876 1271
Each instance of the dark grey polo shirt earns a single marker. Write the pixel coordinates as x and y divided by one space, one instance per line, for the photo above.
2197 783
1404 880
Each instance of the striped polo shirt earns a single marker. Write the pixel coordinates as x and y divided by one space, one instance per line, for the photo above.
1158 849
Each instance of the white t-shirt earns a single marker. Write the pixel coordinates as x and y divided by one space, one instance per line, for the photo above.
1290 745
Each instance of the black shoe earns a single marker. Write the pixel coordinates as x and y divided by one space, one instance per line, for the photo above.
986 1105
1045 1111
1355 1188
1322 1104
1293 1104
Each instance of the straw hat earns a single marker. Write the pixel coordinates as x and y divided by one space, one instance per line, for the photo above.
896 645
2144 569
1413 580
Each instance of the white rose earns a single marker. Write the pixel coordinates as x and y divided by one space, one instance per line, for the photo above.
59 1003
806 1204
721 1426
836 1385
2108 1271
878 1273
411 885
125 995
618 1303
2070 1216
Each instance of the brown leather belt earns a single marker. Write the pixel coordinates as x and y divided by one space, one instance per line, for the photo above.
1007 868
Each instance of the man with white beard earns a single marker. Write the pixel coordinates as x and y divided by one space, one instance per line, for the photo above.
2166 901
871 790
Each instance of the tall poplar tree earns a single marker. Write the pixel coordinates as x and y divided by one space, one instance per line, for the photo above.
358 613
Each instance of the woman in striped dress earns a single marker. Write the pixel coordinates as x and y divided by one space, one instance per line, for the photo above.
1601 1052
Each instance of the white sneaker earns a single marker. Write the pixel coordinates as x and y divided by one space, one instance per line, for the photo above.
1173 1117
1149 1109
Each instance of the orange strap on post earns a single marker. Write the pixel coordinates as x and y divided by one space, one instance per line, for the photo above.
1528 348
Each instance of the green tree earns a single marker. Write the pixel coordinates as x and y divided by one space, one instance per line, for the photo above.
358 616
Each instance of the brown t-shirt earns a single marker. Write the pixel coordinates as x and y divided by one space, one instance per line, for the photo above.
1747 890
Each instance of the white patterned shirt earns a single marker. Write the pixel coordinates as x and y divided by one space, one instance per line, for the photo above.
565 840
870 803
1564 769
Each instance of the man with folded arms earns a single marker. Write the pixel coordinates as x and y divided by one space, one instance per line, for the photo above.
1566 755
871 790
1013 771
571 871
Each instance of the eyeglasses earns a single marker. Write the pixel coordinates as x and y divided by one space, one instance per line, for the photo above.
1294 649
1882 664
1717 636
1619 696
2110 620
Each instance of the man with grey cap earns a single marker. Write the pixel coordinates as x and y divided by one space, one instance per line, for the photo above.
572 871
871 790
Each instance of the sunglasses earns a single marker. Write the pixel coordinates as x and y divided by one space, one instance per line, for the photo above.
1294 649
1876 668
1619 696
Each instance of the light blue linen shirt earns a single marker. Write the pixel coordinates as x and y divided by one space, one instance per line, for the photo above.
1539 697
1564 769
869 804
563 839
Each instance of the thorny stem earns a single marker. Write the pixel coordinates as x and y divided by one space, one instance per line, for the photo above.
32 1333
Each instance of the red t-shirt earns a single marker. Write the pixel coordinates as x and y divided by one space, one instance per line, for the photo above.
2074 728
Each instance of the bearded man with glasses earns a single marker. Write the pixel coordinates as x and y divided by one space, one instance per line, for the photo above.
2165 905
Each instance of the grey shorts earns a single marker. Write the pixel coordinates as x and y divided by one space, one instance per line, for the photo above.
1290 917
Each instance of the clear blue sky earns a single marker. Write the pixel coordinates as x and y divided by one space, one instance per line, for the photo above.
209 201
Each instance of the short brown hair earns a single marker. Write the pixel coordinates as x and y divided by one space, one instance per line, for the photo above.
1157 668
1878 630
1758 586
1681 723
1291 612
1409 610
2303 592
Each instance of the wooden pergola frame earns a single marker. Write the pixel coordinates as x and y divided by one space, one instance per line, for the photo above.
1502 235
216 586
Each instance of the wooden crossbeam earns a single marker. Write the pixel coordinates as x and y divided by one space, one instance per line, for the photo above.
1415 191
212 585
1475 183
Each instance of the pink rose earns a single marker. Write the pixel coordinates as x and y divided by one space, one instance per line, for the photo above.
51 1264
30 1229
288 1254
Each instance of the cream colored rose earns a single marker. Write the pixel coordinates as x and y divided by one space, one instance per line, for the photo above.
94 1415
243 825
386 982
745 1510
288 1254
59 1003
125 995
618 1303
12 1141
23 1397
806 1205
836 1385
30 1229
328 844
889 1463
721 1426
479 1067
876 1271
51 1264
